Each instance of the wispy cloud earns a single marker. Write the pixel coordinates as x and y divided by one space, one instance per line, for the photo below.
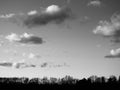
53 64
110 29
114 54
25 38
16 65
22 64
7 16
95 3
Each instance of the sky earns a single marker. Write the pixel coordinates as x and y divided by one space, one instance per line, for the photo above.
59 37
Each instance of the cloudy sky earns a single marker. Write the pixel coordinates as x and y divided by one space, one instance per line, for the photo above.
59 37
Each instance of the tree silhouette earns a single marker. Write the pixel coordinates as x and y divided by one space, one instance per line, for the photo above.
112 79
92 81
119 79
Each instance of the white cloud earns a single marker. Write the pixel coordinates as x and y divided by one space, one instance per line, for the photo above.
94 3
32 12
114 53
26 35
22 64
25 38
32 56
52 9
105 28
13 37
7 16
110 28
51 14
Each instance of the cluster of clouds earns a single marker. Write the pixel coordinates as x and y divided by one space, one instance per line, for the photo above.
22 64
51 14
110 29
25 38
34 18
95 3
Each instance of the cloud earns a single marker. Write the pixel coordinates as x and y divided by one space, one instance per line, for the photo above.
110 29
16 65
94 3
13 37
32 56
54 65
20 65
52 14
52 9
25 38
7 16
6 64
114 54
33 12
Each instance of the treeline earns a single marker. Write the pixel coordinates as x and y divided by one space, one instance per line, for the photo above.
92 81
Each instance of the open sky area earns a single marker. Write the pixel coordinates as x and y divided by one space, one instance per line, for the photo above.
59 37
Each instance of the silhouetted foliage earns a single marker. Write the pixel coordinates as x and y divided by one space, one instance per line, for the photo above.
67 81
119 79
